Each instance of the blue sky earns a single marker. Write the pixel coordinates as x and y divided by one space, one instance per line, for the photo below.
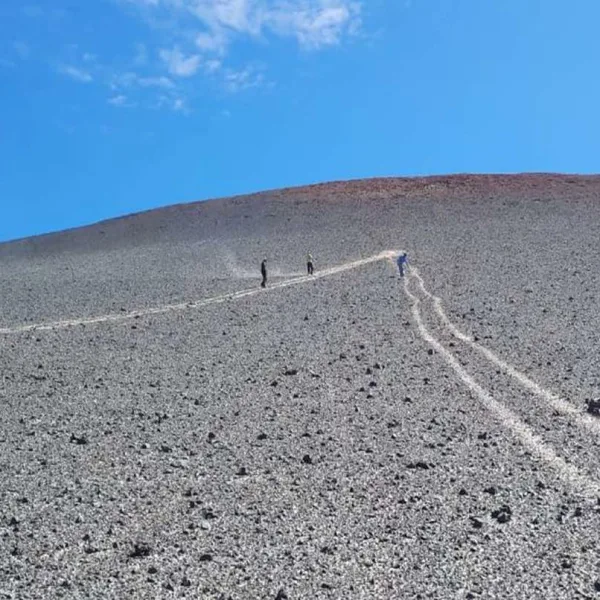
114 106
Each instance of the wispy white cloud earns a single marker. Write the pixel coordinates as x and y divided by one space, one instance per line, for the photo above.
178 64
156 92
158 82
75 73
202 32
180 105
212 65
175 103
313 24
195 38
131 79
145 2
237 81
316 24
212 41
121 101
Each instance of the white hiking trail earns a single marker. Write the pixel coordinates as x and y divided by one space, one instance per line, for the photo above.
116 317
507 418
504 415
562 406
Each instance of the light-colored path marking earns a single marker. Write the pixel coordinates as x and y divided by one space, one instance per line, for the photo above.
198 303
504 415
562 406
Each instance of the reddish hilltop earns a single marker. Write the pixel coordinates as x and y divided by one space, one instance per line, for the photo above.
524 186
197 219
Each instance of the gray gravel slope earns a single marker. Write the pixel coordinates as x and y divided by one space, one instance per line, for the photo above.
304 442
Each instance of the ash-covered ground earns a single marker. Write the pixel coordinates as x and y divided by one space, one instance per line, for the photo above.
328 439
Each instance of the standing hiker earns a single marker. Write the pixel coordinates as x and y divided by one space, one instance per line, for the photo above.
309 264
402 260
263 272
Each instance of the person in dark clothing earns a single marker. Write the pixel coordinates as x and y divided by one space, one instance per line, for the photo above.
309 264
263 272
402 262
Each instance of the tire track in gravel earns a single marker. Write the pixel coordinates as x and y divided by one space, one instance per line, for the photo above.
583 483
136 314
560 405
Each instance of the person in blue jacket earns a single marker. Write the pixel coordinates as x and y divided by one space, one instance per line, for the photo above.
401 262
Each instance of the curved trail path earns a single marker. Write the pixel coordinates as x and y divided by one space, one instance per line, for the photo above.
510 420
584 483
124 316
562 406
